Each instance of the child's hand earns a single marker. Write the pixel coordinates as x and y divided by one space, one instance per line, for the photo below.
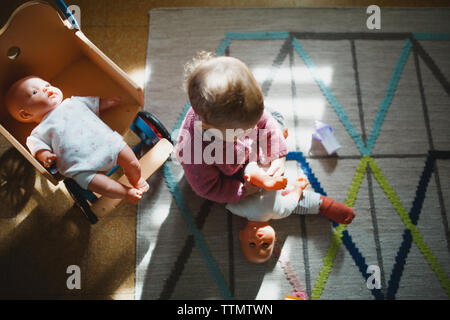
250 188
46 157
109 103
277 167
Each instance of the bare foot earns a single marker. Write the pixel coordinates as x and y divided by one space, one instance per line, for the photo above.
142 185
133 195
298 187
109 103
267 182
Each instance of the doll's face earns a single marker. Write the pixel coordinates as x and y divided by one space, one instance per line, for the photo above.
31 98
257 241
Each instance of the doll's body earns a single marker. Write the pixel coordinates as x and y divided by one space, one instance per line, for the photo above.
258 237
71 135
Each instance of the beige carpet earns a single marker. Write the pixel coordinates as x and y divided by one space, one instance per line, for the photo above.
385 93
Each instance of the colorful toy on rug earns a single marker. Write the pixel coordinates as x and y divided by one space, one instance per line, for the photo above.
325 134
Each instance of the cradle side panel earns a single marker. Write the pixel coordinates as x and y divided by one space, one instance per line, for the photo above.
113 70
45 48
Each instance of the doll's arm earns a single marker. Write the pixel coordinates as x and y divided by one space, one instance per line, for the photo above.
260 178
263 180
97 105
105 104
298 187
46 157
41 150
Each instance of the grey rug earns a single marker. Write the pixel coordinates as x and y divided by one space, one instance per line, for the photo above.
386 95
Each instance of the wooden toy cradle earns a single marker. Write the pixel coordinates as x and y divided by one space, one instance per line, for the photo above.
36 41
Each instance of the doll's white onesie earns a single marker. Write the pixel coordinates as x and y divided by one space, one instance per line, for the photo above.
266 205
82 142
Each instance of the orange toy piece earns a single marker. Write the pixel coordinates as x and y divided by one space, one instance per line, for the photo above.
266 182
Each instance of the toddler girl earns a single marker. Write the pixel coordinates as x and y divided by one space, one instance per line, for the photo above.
226 98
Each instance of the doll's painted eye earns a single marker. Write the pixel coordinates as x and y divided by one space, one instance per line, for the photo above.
34 91
265 245
252 244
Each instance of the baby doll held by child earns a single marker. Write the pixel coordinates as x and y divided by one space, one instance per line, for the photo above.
257 239
70 134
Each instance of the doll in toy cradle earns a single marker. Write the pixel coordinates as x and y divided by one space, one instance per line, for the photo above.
277 200
70 134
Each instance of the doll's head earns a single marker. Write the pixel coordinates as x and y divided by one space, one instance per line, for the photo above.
257 241
223 92
31 98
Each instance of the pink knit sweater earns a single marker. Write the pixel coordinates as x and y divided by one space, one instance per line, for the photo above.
223 182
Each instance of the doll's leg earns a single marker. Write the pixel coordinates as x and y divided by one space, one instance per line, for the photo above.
336 211
110 188
130 164
313 203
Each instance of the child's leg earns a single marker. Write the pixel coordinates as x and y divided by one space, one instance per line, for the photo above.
130 164
110 188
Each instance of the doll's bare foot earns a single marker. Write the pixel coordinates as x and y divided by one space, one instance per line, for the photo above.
267 182
109 103
298 187
142 185
133 195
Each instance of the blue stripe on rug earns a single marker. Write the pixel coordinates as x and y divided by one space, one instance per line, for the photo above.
403 251
199 240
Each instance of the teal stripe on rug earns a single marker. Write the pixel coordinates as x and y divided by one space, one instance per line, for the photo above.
199 240
387 100
365 150
330 97
431 36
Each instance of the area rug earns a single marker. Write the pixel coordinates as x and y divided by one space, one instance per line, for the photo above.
386 95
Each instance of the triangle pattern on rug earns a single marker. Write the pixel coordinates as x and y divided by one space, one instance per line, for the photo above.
365 148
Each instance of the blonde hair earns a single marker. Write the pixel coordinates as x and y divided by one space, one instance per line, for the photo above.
223 91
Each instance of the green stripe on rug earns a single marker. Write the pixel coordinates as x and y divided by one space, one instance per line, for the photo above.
417 236
336 239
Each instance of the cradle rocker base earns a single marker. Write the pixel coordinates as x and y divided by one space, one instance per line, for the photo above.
150 162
